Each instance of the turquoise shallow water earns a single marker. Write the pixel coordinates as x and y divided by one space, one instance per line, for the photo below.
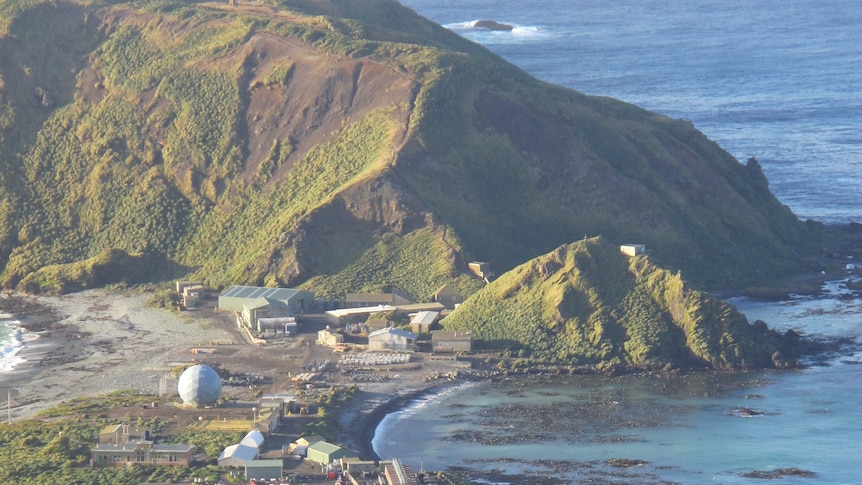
690 429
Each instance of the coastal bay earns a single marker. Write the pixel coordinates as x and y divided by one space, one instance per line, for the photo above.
635 426
688 427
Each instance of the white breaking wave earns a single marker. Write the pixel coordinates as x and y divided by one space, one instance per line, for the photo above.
413 407
9 349
468 25
518 34
13 340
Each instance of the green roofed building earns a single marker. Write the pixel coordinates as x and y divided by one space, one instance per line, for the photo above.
325 453
252 303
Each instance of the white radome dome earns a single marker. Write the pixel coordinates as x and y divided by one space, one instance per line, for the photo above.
199 385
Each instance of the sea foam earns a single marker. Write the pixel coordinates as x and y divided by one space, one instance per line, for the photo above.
518 34
13 340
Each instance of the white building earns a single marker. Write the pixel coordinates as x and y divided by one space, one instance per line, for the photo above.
238 455
390 338
422 321
633 249
251 303
350 315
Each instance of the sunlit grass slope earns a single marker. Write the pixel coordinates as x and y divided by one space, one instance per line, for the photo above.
586 303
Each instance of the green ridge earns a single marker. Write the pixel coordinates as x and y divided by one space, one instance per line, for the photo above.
586 303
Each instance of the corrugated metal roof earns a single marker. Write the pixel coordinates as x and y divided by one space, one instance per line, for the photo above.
418 307
463 335
250 292
260 302
446 290
395 331
346 312
310 439
172 448
324 447
265 463
132 445
111 428
426 317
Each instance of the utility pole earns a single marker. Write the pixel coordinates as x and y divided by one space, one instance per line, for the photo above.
8 405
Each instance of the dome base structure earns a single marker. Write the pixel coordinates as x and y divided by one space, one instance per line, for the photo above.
199 386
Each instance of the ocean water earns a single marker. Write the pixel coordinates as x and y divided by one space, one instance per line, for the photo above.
779 80
12 341
697 428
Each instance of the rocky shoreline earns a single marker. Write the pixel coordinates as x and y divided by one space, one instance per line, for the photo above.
361 421
606 417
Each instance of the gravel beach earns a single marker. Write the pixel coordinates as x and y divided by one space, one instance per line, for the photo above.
94 342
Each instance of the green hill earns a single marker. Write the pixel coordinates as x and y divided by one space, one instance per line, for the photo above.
338 146
586 303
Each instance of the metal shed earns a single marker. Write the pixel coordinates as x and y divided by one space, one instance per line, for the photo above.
391 339
236 297
264 469
422 321
325 453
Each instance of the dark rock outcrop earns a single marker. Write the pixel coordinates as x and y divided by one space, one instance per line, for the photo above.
778 473
492 25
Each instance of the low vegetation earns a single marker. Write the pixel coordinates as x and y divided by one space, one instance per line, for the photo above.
59 452
588 304
329 404
88 406
55 452
55 446
337 146
211 442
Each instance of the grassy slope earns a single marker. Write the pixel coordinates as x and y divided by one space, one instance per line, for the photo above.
586 303
148 157
521 178
162 137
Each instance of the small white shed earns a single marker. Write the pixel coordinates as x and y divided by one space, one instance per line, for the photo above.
633 249
390 338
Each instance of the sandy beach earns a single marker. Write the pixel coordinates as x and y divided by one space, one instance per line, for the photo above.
94 342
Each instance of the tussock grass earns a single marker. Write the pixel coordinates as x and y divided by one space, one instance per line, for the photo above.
144 151
586 303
